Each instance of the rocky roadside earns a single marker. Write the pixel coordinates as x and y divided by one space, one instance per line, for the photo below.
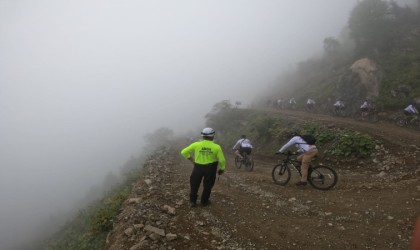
157 216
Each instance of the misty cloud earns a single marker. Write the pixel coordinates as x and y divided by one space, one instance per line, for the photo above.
81 82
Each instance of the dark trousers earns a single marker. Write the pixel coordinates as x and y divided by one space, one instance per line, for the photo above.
205 173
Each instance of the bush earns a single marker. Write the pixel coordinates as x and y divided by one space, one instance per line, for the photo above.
352 144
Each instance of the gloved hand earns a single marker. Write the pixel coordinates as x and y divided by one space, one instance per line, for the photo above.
220 171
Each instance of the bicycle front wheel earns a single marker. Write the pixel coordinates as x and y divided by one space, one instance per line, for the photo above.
322 177
281 174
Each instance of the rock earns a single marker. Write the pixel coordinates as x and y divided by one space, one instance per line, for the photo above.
128 231
155 230
171 236
148 181
134 200
154 236
369 74
138 226
169 209
142 245
382 174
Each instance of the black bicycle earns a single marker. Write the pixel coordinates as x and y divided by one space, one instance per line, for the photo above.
408 121
320 177
246 160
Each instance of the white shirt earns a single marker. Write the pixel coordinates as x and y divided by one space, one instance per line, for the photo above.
300 144
411 109
310 101
339 104
365 105
292 101
244 143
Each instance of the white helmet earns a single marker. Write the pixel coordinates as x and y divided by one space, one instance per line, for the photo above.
208 132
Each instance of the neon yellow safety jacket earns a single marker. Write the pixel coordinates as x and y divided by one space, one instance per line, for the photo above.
205 152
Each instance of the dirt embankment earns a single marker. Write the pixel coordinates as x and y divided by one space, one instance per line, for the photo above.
371 207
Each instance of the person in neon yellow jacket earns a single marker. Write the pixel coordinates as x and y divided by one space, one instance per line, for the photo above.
207 155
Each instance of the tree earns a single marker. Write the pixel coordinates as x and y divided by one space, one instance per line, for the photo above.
331 45
371 26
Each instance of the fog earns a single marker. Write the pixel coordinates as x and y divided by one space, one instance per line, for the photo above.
81 83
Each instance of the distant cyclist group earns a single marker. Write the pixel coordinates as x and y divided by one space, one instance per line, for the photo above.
367 109
209 160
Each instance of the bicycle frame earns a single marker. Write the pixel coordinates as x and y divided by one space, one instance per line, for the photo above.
319 176
293 162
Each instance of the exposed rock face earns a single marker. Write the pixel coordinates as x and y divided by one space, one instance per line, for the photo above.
369 74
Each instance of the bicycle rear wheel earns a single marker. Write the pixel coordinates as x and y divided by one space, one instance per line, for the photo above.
281 174
248 162
322 177
238 162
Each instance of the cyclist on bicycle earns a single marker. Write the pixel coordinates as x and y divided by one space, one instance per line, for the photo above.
243 145
365 108
338 106
310 104
306 150
292 103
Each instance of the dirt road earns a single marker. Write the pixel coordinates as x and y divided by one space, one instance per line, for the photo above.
373 206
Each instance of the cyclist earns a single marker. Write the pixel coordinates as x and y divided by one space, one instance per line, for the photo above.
338 106
307 152
365 108
292 103
411 112
206 156
310 104
243 145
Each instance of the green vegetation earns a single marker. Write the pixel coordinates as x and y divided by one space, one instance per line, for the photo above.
268 131
90 228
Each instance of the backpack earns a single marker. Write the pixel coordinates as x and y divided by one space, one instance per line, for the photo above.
310 139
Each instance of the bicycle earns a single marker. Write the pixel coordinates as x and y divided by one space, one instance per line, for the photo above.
246 160
369 115
341 112
407 121
320 177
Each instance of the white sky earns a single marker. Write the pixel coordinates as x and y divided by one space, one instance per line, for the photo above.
82 81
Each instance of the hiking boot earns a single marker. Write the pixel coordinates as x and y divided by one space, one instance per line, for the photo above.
301 183
192 204
205 204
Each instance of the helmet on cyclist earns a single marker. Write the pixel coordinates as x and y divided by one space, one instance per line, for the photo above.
209 132
243 136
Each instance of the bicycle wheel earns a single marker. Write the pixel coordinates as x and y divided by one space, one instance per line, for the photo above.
249 163
401 122
322 177
238 162
281 174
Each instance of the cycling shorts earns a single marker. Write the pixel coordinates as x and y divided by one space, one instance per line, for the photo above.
245 150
